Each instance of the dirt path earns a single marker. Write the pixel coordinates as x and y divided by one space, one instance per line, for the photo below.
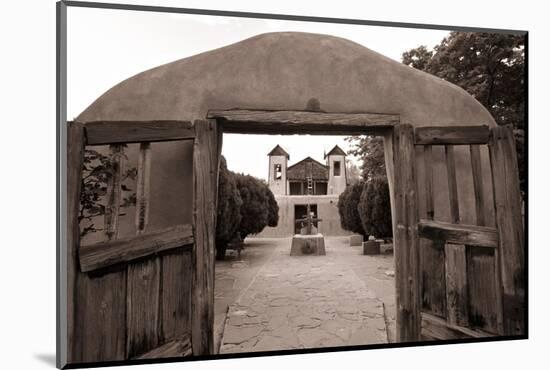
309 301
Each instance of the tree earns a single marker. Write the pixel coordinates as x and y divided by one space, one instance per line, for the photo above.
370 149
489 66
229 209
347 208
272 208
374 208
255 207
97 170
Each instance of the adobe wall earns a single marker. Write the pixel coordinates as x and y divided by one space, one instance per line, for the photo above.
327 210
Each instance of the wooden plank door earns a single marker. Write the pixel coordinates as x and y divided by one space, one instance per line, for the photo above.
151 295
457 276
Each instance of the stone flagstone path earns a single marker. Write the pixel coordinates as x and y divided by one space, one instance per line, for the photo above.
305 302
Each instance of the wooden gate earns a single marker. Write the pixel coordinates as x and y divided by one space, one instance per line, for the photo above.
149 296
457 279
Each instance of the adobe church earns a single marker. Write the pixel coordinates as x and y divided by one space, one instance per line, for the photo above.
307 181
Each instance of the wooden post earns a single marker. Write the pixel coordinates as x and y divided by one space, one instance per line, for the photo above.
75 157
205 177
507 199
407 269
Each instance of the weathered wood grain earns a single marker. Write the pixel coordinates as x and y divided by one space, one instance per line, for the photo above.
407 270
143 187
432 256
100 317
511 251
175 294
292 122
484 311
99 304
142 316
205 174
114 192
175 348
103 254
75 157
458 233
475 159
456 284
428 181
451 181
455 135
112 132
435 328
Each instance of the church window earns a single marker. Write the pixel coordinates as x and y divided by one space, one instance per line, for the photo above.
278 172
336 168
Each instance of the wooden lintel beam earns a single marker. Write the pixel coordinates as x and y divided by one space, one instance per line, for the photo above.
287 122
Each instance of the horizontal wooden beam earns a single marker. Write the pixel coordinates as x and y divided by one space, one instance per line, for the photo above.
451 135
113 132
437 328
175 348
103 254
480 236
302 122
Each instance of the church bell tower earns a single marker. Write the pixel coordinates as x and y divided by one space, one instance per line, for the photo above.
278 161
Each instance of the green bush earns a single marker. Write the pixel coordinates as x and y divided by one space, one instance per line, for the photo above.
374 208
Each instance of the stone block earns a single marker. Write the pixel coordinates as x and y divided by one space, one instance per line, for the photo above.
371 247
356 240
308 245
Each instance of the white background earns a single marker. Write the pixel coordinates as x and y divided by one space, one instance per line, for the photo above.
27 210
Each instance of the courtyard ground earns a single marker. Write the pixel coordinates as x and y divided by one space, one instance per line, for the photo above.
268 300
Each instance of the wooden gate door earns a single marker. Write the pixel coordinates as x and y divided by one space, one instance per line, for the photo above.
459 274
148 296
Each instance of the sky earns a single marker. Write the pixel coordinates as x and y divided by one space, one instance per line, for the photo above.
107 46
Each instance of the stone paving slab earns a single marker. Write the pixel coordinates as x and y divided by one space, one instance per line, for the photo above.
305 302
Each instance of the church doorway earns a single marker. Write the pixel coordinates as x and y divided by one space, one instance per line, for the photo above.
300 212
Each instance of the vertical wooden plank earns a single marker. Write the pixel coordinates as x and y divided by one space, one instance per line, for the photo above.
434 298
75 157
144 277
143 306
428 168
143 186
455 255
432 255
100 316
114 192
485 301
205 173
507 201
484 309
407 279
456 284
175 295
475 158
451 180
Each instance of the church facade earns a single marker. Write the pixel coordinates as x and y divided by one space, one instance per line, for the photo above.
307 181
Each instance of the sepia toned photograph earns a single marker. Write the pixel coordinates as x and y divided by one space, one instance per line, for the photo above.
238 184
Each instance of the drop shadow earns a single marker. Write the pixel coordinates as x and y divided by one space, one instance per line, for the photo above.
46 358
